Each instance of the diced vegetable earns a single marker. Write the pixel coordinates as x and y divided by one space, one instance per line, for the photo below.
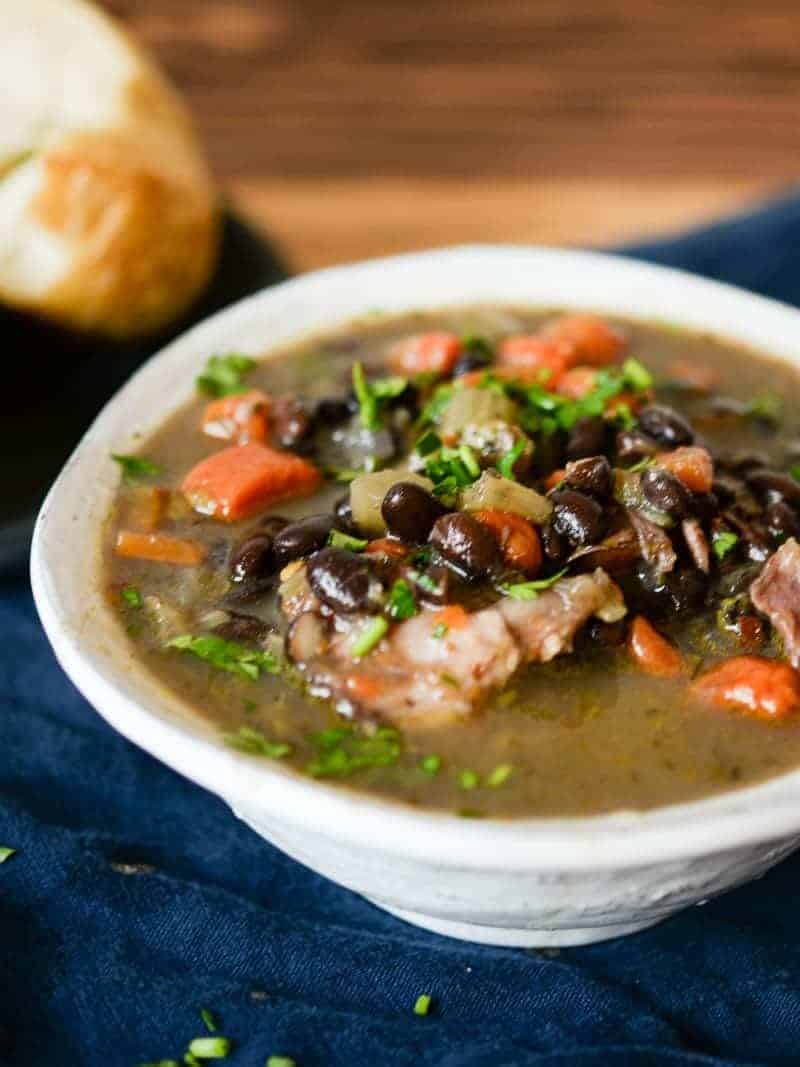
223 375
422 1005
246 739
244 479
435 352
517 539
367 493
534 358
159 548
371 396
241 417
401 603
144 509
492 492
652 652
343 750
210 1048
762 687
476 407
577 382
369 637
228 656
692 464
590 337
136 467
386 546
337 539
723 542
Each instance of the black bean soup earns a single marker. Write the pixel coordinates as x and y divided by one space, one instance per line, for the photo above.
489 560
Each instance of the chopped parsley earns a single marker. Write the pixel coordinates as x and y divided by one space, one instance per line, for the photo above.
422 1005
723 542
424 581
500 775
624 416
431 764
131 595
280 1061
636 375
209 1048
440 398
452 469
530 590
256 744
224 375
337 539
440 630
134 468
228 655
795 472
369 637
209 1020
6 853
429 442
342 751
372 395
468 780
506 464
401 603
765 406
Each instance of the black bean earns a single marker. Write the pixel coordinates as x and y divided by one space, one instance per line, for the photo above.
301 538
554 546
774 485
683 589
781 520
664 491
737 581
253 558
343 511
340 579
470 361
332 410
272 524
292 425
577 517
592 475
249 590
609 634
466 544
705 505
728 488
744 462
632 446
409 512
244 628
588 437
665 425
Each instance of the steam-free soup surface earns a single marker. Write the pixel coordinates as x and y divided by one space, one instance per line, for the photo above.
590 731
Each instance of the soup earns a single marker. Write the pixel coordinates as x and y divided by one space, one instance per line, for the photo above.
489 560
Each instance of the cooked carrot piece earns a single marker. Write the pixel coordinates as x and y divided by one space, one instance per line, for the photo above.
385 546
761 687
244 479
535 357
159 548
591 339
453 617
577 382
363 687
241 417
696 375
516 538
145 508
435 352
554 478
692 464
652 652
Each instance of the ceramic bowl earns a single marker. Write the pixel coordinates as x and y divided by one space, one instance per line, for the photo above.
531 882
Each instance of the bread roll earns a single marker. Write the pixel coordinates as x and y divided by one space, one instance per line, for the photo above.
108 215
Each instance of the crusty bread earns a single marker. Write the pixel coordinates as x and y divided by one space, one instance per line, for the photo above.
108 215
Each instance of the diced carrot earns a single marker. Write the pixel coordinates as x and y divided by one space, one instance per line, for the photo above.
652 652
577 382
692 464
591 339
554 478
536 358
159 548
516 538
363 687
385 546
454 617
761 687
695 375
244 479
435 352
240 418
145 508
505 374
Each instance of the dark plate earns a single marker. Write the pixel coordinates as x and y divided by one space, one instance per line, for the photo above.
56 384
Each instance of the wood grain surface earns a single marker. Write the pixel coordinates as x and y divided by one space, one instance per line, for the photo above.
354 128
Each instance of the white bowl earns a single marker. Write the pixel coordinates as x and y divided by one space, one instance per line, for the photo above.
516 882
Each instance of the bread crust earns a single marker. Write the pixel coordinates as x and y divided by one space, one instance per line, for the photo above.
131 206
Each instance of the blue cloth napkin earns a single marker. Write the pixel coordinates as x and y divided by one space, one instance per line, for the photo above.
135 899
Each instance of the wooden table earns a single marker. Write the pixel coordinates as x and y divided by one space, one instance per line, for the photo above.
350 128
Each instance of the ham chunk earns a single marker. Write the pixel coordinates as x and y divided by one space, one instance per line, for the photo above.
425 674
776 594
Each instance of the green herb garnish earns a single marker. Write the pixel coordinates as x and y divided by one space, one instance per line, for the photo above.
422 1005
224 375
432 412
343 751
280 1061
765 406
209 1048
337 539
134 468
624 416
369 637
6 853
429 442
372 395
468 780
636 375
401 603
506 464
500 775
530 590
257 744
722 542
439 631
209 1020
470 460
795 472
431 764
131 595
228 655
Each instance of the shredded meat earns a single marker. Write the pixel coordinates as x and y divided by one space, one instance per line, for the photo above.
416 676
776 593
655 544
697 543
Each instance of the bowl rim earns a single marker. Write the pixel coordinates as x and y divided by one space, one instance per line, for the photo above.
261 788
